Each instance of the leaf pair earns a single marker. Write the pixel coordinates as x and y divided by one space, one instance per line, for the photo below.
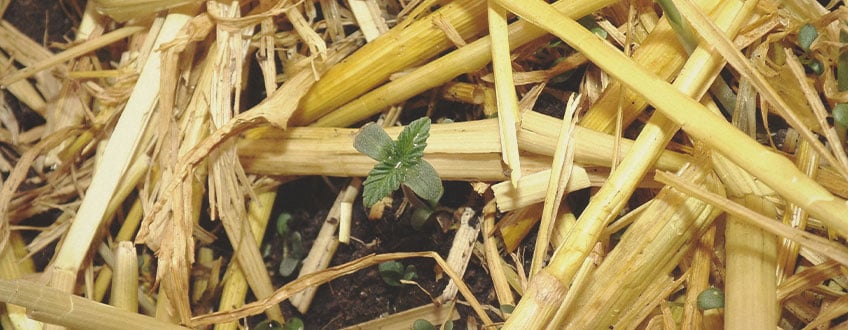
398 162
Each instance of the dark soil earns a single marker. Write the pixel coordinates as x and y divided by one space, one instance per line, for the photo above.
364 296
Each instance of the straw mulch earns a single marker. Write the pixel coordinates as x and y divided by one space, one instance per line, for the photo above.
625 164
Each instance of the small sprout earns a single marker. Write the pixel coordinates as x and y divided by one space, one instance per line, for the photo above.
268 325
590 24
806 35
711 298
283 223
840 114
422 324
393 272
398 162
292 254
507 309
815 66
294 323
292 243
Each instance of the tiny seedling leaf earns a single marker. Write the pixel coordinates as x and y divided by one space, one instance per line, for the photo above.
409 274
373 141
268 325
283 223
424 181
806 35
840 114
391 272
422 324
288 266
383 179
710 299
398 162
412 141
294 323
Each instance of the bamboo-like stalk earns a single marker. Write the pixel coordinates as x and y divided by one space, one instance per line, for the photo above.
531 189
831 249
660 54
751 253
751 262
403 46
493 257
507 100
652 246
346 209
431 75
698 280
125 279
433 313
205 259
696 121
13 268
235 284
808 278
787 253
713 35
369 18
119 152
122 10
461 251
329 151
319 257
558 180
53 306
538 135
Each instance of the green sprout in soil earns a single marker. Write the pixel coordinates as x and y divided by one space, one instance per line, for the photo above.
293 323
422 324
292 243
399 165
806 35
393 272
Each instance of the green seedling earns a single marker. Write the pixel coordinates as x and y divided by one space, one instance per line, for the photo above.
711 298
293 323
398 162
292 242
422 324
393 272
400 165
806 35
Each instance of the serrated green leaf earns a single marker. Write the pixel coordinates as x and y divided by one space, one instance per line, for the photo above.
383 179
424 181
412 141
373 141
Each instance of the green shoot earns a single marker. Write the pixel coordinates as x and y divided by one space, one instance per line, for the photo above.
398 162
292 244
710 299
393 272
684 33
